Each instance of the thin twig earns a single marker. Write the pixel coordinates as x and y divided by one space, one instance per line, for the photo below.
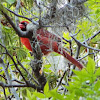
16 11
8 79
61 78
27 72
14 63
30 19
84 44
86 56
97 33
4 93
76 56
3 77
18 81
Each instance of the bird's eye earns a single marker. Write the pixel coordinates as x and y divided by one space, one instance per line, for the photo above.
24 23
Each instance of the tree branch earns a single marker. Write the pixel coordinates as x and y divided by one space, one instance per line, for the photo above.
27 72
18 31
97 33
20 85
16 11
14 63
78 42
30 19
8 79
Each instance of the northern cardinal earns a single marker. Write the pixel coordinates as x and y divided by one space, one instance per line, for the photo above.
48 43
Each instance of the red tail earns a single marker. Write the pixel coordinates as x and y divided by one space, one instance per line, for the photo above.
70 58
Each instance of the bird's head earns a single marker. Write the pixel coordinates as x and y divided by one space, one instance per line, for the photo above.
26 26
23 25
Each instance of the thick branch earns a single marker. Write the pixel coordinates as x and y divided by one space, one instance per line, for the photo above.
18 31
20 85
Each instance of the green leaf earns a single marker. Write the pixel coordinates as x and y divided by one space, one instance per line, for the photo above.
1 7
46 88
97 85
66 35
56 95
70 96
82 75
89 91
79 92
10 1
47 66
89 98
21 53
90 66
47 70
39 95
29 94
97 73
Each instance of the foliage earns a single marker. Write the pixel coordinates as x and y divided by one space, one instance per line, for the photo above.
85 85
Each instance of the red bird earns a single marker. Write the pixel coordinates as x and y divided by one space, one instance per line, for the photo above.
48 43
